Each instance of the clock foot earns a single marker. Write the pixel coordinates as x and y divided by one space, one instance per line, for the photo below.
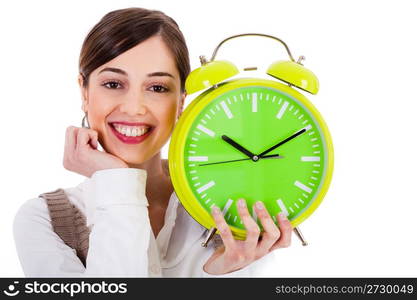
298 233
209 236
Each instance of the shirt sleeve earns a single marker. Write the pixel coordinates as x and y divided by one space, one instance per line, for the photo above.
244 272
118 245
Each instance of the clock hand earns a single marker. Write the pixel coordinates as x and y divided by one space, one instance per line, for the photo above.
282 142
228 161
239 147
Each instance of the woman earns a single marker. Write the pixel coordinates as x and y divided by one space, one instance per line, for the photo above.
133 66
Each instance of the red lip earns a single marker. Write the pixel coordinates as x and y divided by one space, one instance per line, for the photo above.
131 139
131 123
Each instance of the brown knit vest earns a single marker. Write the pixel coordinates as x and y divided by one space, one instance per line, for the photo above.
68 222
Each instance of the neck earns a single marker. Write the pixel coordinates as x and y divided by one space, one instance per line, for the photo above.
158 183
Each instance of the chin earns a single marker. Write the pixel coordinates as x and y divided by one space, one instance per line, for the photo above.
134 160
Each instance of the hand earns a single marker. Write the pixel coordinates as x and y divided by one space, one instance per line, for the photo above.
239 147
282 142
236 254
234 160
81 154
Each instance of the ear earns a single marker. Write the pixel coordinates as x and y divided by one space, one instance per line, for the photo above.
181 106
84 93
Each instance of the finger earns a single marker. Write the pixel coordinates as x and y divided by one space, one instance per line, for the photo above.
286 232
252 228
271 232
86 137
70 139
223 228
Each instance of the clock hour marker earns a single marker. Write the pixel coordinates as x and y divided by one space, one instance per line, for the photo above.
302 186
282 110
254 102
198 158
205 130
226 109
227 206
308 127
206 186
310 158
282 207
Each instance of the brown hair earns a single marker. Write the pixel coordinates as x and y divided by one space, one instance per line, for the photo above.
120 30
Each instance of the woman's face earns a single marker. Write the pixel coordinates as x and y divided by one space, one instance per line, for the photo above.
134 100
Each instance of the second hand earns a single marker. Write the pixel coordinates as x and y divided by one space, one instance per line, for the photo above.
228 161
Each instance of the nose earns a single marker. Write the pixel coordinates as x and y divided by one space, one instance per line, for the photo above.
134 104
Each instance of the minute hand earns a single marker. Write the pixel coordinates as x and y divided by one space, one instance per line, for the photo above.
283 142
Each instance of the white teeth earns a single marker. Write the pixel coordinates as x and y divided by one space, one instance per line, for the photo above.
131 130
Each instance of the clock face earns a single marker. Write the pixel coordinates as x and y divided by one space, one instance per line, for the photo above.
257 118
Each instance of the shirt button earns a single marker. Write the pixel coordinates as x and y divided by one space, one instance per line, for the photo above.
155 269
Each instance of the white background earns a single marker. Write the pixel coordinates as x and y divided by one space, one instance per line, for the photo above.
364 53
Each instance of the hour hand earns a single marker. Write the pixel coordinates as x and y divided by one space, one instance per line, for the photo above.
239 147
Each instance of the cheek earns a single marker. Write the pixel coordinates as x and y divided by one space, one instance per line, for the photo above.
167 116
171 114
98 110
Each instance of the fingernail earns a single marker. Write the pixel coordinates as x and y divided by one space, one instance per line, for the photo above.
282 216
241 203
259 205
215 210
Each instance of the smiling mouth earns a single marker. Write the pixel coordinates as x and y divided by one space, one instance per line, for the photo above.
131 133
131 130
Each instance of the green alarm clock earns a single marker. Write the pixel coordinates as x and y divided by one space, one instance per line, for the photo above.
251 138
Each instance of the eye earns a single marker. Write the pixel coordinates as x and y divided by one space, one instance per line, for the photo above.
112 85
157 88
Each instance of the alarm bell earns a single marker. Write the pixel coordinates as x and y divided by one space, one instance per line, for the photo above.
294 74
209 74
214 72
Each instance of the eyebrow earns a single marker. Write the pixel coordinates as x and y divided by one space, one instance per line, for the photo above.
115 70
160 74
120 71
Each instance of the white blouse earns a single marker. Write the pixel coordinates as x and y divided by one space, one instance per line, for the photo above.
121 243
